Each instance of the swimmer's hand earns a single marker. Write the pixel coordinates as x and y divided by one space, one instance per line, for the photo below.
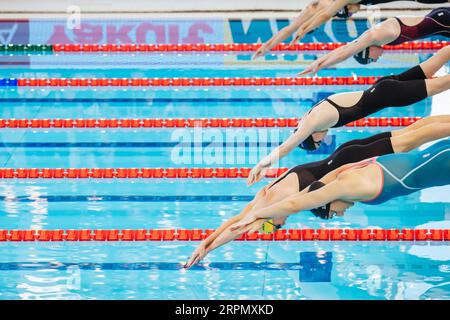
196 256
256 174
313 68
260 52
297 38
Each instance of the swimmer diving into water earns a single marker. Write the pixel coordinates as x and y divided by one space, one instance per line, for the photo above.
319 12
296 181
367 48
372 181
339 109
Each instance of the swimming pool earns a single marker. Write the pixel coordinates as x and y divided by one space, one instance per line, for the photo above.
151 270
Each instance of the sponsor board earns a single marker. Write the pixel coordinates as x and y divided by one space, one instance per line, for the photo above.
44 31
14 32
127 31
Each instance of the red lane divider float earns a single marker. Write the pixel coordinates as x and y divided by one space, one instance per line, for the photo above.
230 47
131 173
190 123
197 235
194 82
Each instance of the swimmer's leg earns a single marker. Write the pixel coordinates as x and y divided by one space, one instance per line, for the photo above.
437 85
437 61
421 123
394 93
414 139
425 70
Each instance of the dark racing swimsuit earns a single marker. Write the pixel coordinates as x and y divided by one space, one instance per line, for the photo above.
437 22
374 2
391 91
349 152
344 12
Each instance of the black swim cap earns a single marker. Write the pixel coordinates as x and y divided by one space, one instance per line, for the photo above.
343 13
324 211
309 144
363 56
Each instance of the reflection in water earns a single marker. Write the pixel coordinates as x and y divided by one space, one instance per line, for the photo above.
242 270
11 207
49 286
39 207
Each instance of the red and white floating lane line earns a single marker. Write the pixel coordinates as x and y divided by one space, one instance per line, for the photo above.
131 173
231 47
190 123
197 235
191 82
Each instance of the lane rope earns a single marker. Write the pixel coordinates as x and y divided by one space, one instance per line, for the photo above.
191 123
187 82
197 235
200 47
131 173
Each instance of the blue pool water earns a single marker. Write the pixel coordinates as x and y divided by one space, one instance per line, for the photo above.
257 270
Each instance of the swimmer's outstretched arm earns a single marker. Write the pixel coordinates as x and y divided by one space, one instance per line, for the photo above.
306 127
305 15
207 246
221 238
228 235
319 18
338 189
231 233
374 36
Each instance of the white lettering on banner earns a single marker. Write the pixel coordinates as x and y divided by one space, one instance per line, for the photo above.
123 31
6 34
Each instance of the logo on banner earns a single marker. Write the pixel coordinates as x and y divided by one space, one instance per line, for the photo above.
141 32
261 30
14 32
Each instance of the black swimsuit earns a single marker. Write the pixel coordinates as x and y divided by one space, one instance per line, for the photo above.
437 22
344 12
373 2
391 91
349 152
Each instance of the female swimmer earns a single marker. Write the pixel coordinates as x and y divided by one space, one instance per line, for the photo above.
319 12
367 48
371 181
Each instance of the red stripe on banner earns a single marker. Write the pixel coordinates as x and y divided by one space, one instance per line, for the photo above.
231 47
197 235
190 123
194 82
